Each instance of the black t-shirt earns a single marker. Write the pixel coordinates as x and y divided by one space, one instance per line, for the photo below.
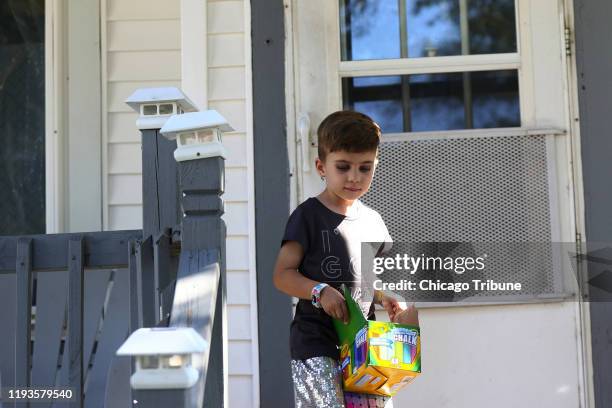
332 247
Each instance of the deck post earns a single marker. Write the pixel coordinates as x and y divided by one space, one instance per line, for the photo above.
160 197
201 160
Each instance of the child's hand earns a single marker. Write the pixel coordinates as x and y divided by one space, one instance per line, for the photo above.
408 316
334 304
391 306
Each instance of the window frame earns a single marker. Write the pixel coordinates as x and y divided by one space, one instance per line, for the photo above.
521 61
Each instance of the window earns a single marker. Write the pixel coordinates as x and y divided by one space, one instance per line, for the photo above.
22 117
417 40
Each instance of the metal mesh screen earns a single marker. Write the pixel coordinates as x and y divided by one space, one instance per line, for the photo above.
477 189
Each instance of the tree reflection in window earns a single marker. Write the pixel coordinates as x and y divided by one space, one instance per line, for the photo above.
375 29
430 102
22 117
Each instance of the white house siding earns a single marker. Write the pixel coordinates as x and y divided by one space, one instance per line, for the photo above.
142 48
228 53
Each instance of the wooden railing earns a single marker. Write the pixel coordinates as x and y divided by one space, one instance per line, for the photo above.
68 301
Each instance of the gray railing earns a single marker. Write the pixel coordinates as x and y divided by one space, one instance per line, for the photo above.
64 299
71 300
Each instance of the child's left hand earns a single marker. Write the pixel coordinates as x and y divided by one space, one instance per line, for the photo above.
391 306
409 316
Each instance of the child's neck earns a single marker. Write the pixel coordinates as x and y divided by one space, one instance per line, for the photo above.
336 203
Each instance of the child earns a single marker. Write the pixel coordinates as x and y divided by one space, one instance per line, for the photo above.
321 250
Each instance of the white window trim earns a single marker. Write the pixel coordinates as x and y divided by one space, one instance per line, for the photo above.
54 116
582 311
409 66
521 61
73 185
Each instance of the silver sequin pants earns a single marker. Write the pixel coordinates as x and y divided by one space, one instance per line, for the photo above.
317 383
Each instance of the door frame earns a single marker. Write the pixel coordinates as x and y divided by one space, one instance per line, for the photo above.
73 118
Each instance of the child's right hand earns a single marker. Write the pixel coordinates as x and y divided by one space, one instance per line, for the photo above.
333 304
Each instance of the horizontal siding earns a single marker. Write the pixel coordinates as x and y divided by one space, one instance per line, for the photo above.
235 113
122 191
241 393
238 287
124 217
226 44
236 218
236 184
225 50
240 357
124 158
239 322
144 65
225 17
142 49
142 9
226 83
236 149
122 127
145 35
238 247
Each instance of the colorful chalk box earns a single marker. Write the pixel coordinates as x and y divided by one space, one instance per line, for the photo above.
377 357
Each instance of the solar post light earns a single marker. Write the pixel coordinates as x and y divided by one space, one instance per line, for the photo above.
157 105
167 364
197 135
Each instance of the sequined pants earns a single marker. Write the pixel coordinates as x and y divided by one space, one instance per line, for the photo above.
317 383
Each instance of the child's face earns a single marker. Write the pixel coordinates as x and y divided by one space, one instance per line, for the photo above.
348 175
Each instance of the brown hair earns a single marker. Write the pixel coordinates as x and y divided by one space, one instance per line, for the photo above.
350 131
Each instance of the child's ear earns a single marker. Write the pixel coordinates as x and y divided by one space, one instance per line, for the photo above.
320 167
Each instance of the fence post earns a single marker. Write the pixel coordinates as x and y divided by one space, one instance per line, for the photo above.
160 197
23 351
201 159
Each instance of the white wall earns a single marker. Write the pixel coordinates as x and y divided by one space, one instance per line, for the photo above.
497 356
229 90
137 35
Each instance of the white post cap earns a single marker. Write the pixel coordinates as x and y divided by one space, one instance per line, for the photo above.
162 341
194 122
158 96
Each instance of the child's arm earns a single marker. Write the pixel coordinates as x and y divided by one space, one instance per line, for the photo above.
289 280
